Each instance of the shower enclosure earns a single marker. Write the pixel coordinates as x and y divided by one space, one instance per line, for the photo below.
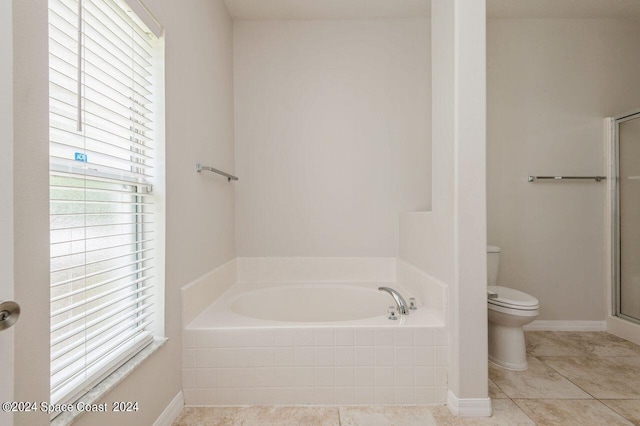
626 216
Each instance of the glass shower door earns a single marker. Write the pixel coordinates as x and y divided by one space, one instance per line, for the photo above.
629 217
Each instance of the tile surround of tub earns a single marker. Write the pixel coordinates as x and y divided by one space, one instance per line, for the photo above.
316 269
315 366
203 291
430 292
542 393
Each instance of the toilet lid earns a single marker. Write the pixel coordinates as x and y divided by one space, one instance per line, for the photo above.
509 297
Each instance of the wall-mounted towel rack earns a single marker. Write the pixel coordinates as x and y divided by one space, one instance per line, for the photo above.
594 178
200 168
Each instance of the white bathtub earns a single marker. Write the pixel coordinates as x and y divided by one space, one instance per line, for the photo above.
313 343
309 305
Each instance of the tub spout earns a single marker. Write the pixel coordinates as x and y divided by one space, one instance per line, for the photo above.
402 305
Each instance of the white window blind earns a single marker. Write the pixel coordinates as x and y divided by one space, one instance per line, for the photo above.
101 203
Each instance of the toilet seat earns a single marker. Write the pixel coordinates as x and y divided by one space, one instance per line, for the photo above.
509 298
514 311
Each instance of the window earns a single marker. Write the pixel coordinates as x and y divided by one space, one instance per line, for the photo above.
101 79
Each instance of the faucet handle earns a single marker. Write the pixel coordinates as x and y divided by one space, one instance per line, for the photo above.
412 303
392 311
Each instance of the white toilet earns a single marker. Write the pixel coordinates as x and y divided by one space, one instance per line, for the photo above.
509 310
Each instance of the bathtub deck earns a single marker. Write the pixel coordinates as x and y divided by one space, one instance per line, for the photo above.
220 316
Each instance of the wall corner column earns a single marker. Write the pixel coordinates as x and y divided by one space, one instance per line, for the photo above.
459 156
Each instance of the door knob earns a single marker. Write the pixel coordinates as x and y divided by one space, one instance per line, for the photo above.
9 313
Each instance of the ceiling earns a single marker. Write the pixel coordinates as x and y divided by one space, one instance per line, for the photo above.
377 9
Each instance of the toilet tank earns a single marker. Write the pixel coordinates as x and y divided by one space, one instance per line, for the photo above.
493 263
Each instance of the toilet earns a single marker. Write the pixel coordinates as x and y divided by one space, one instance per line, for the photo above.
509 311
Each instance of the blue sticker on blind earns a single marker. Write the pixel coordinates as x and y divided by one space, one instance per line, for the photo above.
79 156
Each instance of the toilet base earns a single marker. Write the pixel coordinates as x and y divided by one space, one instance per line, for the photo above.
507 366
507 346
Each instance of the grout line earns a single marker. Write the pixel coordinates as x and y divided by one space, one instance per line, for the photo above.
513 401
566 378
496 385
614 411
525 413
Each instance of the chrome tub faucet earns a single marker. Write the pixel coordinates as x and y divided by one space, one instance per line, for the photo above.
400 302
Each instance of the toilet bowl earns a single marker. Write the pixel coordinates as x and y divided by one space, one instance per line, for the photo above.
509 311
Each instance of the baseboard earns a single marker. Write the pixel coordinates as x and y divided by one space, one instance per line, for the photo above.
171 412
561 325
469 407
624 329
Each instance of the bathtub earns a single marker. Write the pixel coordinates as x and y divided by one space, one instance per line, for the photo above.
257 305
313 343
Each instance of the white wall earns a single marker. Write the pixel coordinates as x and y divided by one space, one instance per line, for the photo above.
199 128
332 134
200 208
550 83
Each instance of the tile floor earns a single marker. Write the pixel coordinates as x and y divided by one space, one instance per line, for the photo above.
574 378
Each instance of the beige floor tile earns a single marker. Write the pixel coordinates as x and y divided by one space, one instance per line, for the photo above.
387 416
505 413
604 378
551 343
627 408
210 416
579 412
495 392
602 344
578 343
291 416
538 381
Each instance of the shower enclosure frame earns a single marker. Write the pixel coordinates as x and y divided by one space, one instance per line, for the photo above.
614 179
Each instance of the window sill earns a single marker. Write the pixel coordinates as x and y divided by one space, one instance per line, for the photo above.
100 390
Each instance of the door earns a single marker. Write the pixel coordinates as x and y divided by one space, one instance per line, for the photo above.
6 206
629 219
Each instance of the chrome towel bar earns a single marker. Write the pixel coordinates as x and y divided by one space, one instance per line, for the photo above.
200 168
594 178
